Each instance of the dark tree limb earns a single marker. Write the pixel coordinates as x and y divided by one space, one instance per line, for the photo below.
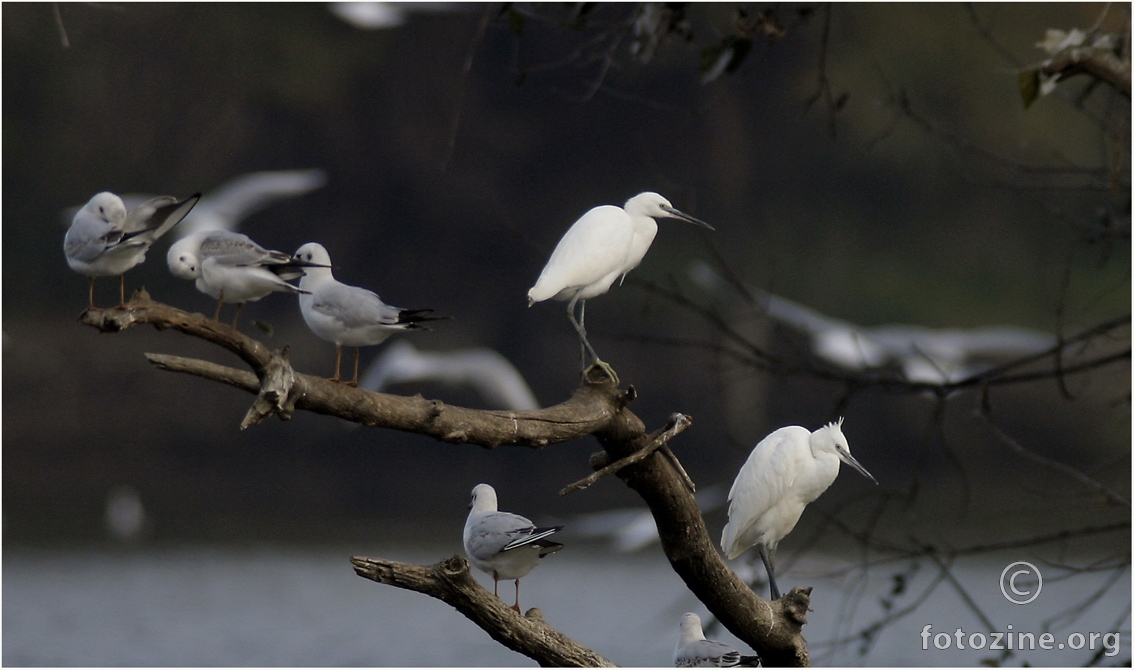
598 407
451 582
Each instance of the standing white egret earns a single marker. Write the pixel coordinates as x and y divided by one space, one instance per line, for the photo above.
106 240
505 545
348 315
603 245
785 472
694 651
229 266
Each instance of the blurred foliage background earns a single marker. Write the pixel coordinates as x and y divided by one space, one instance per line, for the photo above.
835 162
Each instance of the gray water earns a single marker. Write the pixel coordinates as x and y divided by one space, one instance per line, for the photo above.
286 606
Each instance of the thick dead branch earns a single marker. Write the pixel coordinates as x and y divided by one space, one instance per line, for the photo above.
451 582
597 408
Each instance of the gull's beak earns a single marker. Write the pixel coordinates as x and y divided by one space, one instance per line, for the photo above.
845 457
678 214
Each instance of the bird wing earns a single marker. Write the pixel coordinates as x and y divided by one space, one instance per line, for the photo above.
89 236
159 215
245 195
707 654
236 249
229 248
595 246
494 532
353 306
764 479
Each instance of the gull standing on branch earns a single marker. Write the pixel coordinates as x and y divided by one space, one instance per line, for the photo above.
348 315
230 266
603 245
785 472
106 240
505 545
694 651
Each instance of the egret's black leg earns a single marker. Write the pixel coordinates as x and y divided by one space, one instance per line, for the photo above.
769 558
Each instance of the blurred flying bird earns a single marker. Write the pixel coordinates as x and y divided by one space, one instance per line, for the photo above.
925 355
237 199
785 472
483 369
632 528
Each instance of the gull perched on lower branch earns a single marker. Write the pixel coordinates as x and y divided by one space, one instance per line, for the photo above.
694 651
505 545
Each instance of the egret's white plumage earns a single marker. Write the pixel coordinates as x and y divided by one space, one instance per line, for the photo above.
348 315
497 381
502 544
603 245
106 240
694 651
229 266
785 472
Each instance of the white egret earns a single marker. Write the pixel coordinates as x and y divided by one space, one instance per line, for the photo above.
348 315
230 266
694 651
603 245
785 472
487 371
505 545
106 240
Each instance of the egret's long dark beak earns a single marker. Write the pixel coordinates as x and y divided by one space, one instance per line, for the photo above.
850 460
678 214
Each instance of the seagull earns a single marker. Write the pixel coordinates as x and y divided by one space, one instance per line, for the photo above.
237 199
497 381
230 266
785 472
603 245
106 240
502 544
348 315
694 651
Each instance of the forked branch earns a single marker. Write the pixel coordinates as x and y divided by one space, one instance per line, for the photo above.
643 460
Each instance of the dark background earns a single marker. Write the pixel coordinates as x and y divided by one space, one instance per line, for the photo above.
448 189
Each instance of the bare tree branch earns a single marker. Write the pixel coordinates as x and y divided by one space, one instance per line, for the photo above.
599 408
450 581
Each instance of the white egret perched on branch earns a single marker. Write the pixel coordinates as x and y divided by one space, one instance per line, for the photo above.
603 245
348 315
106 240
785 472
